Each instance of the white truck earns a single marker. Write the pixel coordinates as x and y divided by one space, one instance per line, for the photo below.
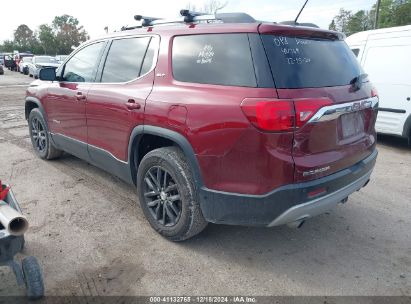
385 55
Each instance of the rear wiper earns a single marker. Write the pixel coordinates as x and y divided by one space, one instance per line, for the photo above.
357 81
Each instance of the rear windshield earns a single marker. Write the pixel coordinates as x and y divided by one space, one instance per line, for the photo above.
310 63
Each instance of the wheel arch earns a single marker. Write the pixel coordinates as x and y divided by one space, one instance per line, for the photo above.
174 138
32 103
407 128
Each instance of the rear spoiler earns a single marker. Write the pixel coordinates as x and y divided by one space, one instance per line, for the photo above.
299 30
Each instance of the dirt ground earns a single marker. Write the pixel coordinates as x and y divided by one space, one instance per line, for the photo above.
91 238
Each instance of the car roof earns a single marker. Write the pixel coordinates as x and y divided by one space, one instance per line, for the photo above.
216 28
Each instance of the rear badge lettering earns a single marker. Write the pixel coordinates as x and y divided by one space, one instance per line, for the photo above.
317 171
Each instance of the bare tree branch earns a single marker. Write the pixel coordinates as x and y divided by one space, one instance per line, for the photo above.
210 7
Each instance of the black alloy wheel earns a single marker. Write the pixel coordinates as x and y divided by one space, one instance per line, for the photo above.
39 135
162 196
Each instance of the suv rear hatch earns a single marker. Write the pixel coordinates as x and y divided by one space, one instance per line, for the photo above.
335 108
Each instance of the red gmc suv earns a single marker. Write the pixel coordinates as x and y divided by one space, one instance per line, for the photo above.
219 119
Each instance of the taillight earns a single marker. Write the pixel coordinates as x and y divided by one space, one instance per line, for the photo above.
281 115
269 115
306 108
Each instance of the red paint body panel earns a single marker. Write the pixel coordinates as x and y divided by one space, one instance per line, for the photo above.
109 121
67 114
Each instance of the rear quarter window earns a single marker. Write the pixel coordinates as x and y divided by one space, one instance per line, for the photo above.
310 63
221 59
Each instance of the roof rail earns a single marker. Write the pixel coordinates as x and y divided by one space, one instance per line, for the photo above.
188 16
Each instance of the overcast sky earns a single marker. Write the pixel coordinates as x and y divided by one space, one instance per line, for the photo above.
95 15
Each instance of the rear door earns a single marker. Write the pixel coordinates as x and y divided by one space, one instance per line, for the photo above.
334 116
116 102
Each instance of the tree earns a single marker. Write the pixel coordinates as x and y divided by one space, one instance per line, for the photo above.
8 46
402 13
24 38
359 22
341 20
47 39
392 13
68 33
210 7
332 26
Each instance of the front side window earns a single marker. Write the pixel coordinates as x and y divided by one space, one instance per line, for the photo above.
125 59
222 59
82 67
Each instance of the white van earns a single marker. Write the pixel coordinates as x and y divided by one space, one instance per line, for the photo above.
385 55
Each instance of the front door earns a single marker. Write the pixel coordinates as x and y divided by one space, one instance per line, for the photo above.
66 100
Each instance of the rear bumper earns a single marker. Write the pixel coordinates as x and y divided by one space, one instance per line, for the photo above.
286 204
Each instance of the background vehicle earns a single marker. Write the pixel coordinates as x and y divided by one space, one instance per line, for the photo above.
384 54
18 57
1 66
23 66
196 121
60 58
39 62
9 62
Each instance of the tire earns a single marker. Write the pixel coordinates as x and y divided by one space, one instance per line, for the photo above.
33 278
171 206
40 137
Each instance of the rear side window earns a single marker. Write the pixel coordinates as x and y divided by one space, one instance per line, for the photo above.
125 59
356 52
310 63
222 59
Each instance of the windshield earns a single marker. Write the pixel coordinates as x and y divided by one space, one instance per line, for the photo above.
310 63
45 59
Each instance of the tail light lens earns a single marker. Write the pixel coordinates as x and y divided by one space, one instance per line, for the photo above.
306 108
281 115
269 115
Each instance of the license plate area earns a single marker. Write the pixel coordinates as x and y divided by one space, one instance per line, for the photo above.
351 125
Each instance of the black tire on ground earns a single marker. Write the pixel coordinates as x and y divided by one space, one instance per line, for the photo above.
33 278
183 196
40 137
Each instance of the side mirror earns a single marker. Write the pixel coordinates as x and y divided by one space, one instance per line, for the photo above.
48 74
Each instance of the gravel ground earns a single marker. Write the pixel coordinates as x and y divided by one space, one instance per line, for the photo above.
91 237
